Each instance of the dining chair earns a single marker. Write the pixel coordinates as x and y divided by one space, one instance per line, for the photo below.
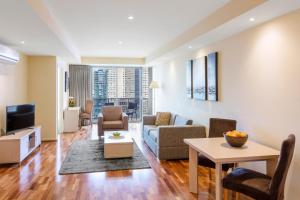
260 186
132 110
87 113
217 127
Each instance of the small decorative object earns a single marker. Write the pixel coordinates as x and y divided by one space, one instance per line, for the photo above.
212 76
72 102
236 138
189 79
116 134
200 78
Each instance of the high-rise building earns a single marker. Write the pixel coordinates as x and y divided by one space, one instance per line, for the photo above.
121 85
100 83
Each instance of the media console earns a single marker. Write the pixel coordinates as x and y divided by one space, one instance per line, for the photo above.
15 148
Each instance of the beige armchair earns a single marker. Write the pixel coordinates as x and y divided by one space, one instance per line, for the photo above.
87 113
112 118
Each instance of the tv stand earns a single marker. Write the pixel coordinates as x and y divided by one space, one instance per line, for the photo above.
15 148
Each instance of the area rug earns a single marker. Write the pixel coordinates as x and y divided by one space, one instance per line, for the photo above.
87 156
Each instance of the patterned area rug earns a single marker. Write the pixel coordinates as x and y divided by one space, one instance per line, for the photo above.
88 156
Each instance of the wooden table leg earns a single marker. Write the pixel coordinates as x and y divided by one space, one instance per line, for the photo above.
193 170
219 189
271 166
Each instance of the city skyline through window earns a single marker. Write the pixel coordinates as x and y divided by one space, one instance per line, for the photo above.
123 86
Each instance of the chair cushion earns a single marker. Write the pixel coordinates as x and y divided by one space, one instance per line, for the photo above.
148 128
181 121
112 113
112 124
205 162
153 135
85 115
248 182
162 118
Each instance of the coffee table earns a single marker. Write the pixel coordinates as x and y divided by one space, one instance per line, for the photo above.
118 147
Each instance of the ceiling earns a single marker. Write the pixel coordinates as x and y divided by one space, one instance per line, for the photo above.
95 27
75 28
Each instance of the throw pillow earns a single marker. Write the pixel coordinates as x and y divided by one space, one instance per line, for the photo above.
162 118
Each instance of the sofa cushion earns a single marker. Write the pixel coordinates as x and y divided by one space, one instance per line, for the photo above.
153 135
181 121
148 128
113 124
112 113
162 118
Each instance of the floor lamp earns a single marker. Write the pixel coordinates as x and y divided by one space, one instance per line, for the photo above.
153 85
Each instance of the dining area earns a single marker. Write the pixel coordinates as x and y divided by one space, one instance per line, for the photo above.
223 151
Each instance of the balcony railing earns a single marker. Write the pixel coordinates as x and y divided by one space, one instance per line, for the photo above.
134 107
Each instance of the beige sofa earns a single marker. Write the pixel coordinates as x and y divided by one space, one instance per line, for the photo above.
112 118
166 142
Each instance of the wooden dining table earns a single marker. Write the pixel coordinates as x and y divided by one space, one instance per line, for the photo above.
218 151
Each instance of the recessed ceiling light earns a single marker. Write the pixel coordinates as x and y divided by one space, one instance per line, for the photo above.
22 42
120 42
130 17
190 47
252 19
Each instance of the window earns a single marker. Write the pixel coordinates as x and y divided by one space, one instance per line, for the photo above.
124 86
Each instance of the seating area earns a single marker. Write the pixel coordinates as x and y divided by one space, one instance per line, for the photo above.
149 100
166 141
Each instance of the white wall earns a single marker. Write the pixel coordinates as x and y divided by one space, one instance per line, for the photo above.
62 95
259 79
13 85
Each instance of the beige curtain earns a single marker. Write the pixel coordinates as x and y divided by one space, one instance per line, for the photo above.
80 83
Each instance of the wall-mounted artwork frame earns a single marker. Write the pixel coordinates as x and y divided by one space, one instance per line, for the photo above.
66 81
200 78
189 79
212 76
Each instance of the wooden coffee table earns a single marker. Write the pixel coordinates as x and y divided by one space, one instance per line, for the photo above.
118 147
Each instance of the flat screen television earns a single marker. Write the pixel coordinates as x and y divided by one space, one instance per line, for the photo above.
19 117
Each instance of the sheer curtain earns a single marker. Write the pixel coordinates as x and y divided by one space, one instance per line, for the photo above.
80 83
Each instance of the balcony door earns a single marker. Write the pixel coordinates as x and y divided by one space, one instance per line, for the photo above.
122 86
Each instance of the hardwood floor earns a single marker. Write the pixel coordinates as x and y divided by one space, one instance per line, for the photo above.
38 177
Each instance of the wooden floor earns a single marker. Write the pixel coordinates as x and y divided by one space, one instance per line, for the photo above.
38 176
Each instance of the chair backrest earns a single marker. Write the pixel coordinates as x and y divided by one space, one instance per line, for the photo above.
132 105
88 106
218 126
278 181
112 113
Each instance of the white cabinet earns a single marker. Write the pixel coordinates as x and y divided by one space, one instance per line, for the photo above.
71 119
15 148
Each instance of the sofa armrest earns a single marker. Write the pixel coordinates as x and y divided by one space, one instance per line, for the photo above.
149 120
169 136
125 121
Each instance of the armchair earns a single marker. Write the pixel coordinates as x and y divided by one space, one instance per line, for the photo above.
112 118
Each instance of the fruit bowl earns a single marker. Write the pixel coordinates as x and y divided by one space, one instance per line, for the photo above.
116 134
236 138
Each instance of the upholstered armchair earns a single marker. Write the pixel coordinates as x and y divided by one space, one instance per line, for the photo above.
87 113
112 118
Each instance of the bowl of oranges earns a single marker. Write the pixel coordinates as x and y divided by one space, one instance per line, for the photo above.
236 138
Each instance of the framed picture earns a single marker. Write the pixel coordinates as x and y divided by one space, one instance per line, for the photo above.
212 76
189 79
200 78
66 81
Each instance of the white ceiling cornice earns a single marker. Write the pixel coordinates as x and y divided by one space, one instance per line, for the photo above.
49 19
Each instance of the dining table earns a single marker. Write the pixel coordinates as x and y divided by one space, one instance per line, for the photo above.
220 152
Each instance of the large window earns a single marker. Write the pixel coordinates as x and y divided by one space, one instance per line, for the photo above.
124 86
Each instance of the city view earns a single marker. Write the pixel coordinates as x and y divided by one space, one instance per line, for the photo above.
123 86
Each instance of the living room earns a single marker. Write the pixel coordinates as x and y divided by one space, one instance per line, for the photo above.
149 100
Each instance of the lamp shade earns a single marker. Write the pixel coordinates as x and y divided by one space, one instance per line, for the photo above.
153 85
